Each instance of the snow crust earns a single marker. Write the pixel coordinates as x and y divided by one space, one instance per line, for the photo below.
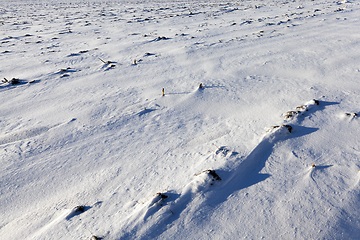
267 147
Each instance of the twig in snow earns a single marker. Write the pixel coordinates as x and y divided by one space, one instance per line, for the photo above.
107 62
94 237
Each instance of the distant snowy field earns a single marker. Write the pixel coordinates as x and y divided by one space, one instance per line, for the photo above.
267 148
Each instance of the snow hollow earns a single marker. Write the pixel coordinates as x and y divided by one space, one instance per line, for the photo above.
179 119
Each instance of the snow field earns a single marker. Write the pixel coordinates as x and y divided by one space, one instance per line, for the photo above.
87 126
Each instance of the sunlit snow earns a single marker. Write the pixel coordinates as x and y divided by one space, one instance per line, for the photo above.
179 119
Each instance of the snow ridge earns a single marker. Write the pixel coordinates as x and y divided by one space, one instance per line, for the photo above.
207 186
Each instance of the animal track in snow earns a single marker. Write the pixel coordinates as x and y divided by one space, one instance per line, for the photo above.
23 134
28 133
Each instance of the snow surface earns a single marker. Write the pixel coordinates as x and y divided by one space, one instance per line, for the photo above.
268 147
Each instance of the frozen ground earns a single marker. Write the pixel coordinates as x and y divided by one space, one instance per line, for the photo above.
268 147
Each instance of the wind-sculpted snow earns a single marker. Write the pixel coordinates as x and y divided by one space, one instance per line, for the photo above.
208 186
179 119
